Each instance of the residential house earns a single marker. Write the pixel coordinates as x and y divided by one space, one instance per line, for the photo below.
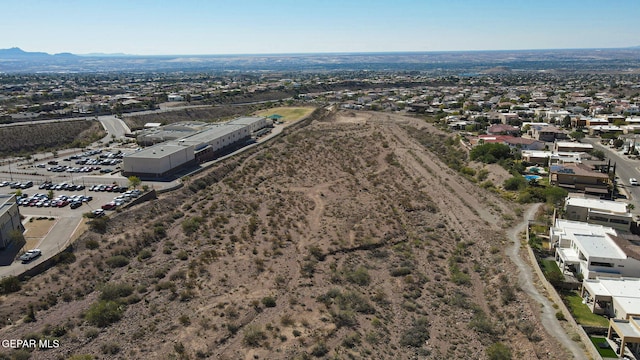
507 118
571 146
628 332
590 250
613 214
548 133
503 129
577 176
614 297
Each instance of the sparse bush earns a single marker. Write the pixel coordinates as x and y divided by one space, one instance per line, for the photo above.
114 292
117 261
9 285
253 336
184 320
358 276
99 225
144 254
104 313
320 349
110 348
92 244
269 301
191 225
498 351
417 334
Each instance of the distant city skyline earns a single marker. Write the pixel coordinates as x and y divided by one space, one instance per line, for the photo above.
199 27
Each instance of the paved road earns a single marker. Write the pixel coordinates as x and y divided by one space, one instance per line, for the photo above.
625 168
52 244
114 126
527 283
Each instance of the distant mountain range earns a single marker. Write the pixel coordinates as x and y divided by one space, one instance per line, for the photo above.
16 60
17 53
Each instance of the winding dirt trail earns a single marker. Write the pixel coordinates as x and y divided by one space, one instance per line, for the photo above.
527 283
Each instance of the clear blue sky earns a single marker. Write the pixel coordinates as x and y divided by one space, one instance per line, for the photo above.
147 27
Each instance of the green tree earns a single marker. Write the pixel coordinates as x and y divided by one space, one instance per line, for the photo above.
566 122
577 135
515 183
490 152
598 153
134 181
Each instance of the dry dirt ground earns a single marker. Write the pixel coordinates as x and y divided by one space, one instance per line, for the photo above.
346 237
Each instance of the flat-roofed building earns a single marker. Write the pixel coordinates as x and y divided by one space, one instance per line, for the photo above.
254 123
571 146
629 333
158 161
596 211
614 297
9 219
593 250
163 159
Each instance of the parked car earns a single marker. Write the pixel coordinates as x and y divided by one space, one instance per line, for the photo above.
30 255
109 206
75 204
633 181
98 212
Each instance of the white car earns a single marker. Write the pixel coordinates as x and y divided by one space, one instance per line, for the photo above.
633 182
30 255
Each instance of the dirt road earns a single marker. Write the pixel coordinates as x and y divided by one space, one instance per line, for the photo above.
526 281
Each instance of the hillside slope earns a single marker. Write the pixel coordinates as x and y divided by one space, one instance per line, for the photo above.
345 237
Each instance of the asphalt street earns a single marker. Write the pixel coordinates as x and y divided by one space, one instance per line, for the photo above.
626 168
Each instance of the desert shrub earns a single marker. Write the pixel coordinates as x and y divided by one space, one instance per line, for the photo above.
104 313
117 261
498 351
417 334
182 255
400 271
92 244
346 318
253 336
269 301
144 254
481 323
99 225
113 292
10 284
320 349
64 257
191 225
358 276
351 340
110 348
184 320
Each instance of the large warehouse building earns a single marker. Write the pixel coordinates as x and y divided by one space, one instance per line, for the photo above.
163 159
9 219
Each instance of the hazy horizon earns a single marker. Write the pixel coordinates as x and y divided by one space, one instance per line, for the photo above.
253 27
324 53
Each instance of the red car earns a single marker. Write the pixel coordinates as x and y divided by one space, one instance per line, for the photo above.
109 206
